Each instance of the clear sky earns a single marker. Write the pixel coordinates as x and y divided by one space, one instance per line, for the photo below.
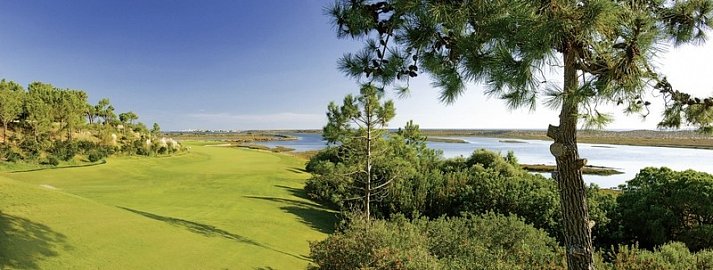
241 64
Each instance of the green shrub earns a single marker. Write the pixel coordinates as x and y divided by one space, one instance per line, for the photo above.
427 185
32 148
51 160
13 156
10 154
671 256
476 242
661 205
95 156
85 146
64 150
494 161
329 154
139 146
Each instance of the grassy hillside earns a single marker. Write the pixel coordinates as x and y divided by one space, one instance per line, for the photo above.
214 208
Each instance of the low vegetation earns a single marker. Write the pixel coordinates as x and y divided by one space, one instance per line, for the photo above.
489 241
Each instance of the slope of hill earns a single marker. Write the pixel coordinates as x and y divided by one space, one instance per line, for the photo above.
214 208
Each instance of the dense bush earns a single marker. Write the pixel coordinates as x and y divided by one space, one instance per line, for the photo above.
495 162
33 148
476 242
64 150
94 156
51 160
671 256
336 178
9 154
661 205
427 185
326 155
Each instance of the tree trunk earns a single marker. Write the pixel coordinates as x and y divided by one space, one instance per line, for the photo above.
4 133
573 201
368 163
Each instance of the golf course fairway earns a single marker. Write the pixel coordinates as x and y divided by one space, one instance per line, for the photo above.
211 208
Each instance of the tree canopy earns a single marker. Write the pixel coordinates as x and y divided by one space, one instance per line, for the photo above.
40 125
602 50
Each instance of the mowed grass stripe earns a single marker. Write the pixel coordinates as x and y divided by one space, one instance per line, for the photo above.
214 208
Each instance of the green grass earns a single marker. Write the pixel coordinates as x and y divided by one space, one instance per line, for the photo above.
214 208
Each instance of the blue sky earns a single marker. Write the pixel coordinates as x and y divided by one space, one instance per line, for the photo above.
237 64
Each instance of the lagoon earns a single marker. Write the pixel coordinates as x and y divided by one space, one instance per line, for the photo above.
625 158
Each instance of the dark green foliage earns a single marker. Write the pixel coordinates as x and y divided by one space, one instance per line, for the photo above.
400 159
96 155
329 154
604 212
51 160
64 150
480 190
495 162
358 126
138 147
9 154
429 186
490 241
475 242
661 205
509 45
32 147
156 130
672 256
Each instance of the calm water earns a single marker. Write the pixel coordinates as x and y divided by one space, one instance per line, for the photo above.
629 159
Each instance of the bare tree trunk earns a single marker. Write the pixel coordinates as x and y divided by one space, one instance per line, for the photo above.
368 163
4 133
573 201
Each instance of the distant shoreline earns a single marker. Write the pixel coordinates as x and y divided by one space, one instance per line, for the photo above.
589 170
445 140
654 138
671 139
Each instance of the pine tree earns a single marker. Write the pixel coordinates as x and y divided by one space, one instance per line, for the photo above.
358 125
11 95
600 48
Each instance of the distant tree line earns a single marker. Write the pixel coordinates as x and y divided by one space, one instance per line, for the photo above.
46 124
405 206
